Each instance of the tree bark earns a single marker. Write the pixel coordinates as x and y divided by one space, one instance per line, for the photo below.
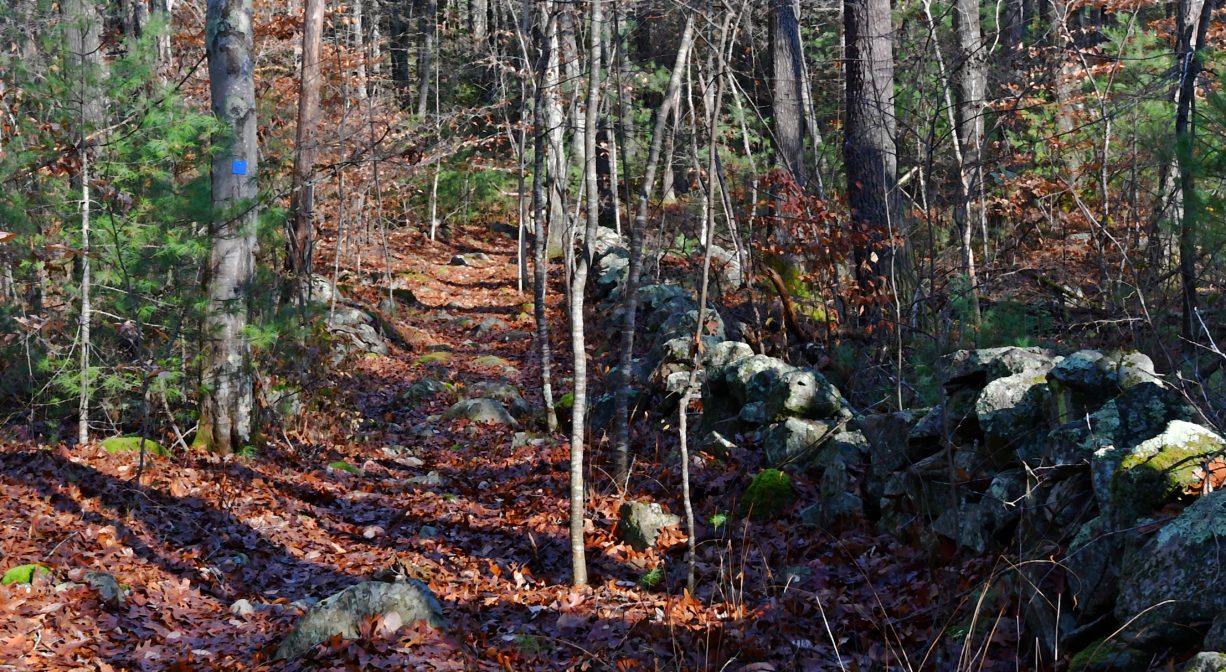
478 21
305 139
972 91
543 223
869 151
226 400
787 100
428 22
1194 19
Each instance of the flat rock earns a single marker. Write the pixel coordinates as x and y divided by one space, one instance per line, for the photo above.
480 410
343 613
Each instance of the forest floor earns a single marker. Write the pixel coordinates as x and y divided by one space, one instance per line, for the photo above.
357 485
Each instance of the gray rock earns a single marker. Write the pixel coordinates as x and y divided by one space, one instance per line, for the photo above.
110 593
505 393
425 388
976 368
1082 370
1010 409
793 443
754 413
490 324
1093 567
640 523
342 614
480 410
322 290
1215 638
242 608
1157 470
354 330
652 297
722 355
684 324
1206 661
727 267
739 374
803 393
1181 564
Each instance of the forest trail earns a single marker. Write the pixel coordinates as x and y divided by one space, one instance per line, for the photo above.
222 555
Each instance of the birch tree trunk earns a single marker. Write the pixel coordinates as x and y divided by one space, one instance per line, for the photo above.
226 399
972 91
542 223
428 21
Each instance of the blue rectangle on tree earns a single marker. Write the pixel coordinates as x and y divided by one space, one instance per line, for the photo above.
238 167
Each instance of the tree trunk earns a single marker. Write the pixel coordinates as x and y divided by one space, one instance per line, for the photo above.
303 212
478 21
359 46
787 100
428 22
869 151
226 403
972 91
630 298
543 223
164 11
1194 19
399 44
555 131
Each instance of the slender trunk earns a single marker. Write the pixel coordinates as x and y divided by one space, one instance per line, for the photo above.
630 299
359 46
542 224
164 10
972 90
300 241
226 404
83 401
478 21
1193 27
555 136
428 22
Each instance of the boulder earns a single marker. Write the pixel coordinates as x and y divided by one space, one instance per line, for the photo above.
684 324
1092 562
739 374
640 523
802 393
342 614
793 443
976 368
1158 470
470 259
1010 411
611 271
505 393
720 356
480 410
424 388
1174 578
1206 661
651 321
353 330
727 268
652 297
1139 413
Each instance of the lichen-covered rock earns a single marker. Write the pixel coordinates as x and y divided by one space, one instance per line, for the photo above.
425 388
640 523
1107 656
720 356
976 368
343 613
1010 408
802 393
652 321
1092 563
652 297
753 413
1158 470
353 330
1139 413
480 410
793 443
739 374
1181 566
685 324
1215 638
769 494
1206 661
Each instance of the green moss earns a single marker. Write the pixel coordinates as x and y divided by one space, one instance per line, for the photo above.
491 361
1158 470
344 466
22 574
1103 655
768 495
131 444
433 358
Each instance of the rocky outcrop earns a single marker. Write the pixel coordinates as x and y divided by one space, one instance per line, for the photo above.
342 614
640 523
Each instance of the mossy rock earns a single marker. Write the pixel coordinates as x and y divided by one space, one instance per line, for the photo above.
22 574
768 495
1158 470
433 359
131 444
492 361
1102 656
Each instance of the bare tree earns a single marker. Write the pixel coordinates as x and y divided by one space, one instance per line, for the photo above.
787 86
303 216
226 399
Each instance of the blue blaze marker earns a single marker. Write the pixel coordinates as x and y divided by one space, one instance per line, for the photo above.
239 167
